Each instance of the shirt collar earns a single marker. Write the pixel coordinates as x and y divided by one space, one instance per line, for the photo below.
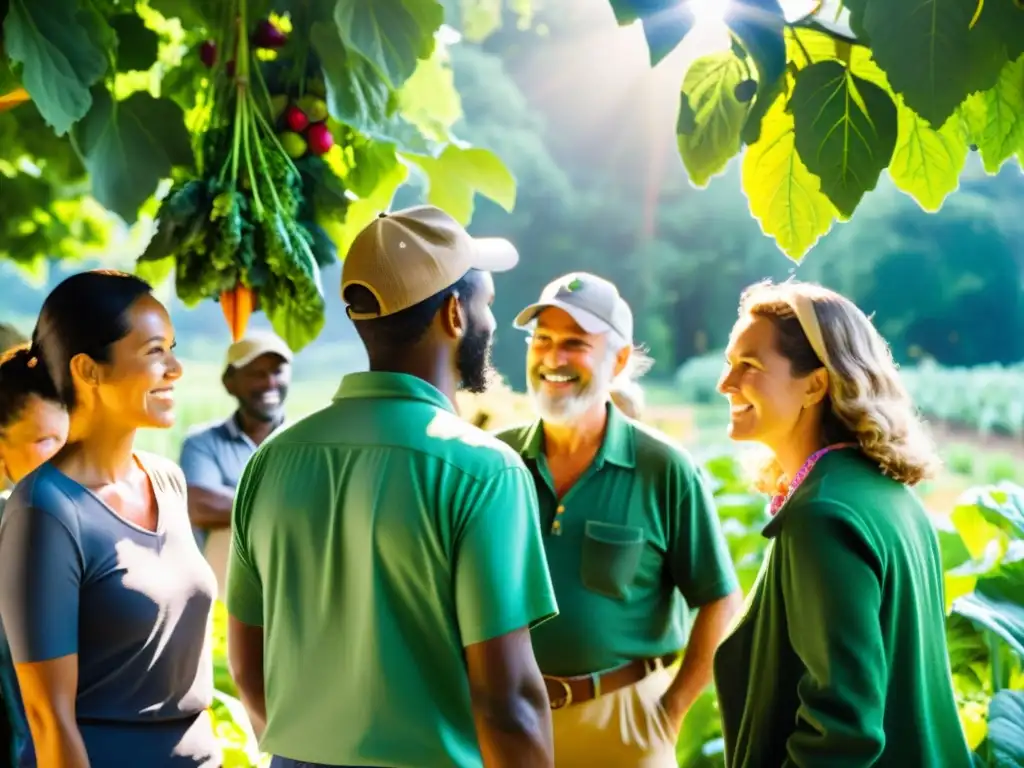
618 446
400 386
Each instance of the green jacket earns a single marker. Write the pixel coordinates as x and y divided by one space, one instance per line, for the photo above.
839 659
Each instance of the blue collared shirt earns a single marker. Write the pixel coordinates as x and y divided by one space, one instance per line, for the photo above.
213 457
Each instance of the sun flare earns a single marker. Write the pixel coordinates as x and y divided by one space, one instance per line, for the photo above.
708 13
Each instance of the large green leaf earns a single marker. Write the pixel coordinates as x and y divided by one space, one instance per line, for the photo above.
997 117
362 211
784 196
928 50
128 147
1001 25
926 163
1001 507
807 46
628 11
429 99
137 44
709 86
997 604
845 129
977 533
665 25
295 328
390 34
63 52
357 95
457 174
8 80
951 545
965 644
1006 729
758 24
369 163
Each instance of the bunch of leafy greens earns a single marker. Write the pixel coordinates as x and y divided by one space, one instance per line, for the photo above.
122 102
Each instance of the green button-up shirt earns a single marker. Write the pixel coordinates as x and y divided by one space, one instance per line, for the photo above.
373 541
634 537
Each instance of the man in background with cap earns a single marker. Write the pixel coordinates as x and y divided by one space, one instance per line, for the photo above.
630 533
257 373
387 565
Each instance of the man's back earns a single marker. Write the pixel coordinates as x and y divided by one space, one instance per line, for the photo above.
374 540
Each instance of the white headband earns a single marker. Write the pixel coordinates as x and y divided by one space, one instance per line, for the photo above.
803 308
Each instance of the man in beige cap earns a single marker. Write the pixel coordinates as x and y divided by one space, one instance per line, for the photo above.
387 565
631 536
257 372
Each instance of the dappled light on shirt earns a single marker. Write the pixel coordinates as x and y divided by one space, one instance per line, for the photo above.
445 426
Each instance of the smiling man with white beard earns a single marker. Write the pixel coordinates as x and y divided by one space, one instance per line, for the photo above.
631 535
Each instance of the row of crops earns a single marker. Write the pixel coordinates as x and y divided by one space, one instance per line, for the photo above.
986 399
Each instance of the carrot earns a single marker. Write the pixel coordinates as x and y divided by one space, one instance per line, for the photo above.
13 99
237 306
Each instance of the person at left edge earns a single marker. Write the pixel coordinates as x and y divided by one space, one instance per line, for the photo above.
104 595
33 427
630 533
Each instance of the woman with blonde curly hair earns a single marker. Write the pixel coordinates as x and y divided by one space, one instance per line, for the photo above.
840 658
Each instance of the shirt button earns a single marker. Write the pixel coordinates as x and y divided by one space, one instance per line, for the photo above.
561 509
556 526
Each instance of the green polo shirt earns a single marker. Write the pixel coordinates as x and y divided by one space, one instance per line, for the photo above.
373 541
840 659
634 537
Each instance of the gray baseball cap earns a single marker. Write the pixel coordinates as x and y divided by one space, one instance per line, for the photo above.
593 302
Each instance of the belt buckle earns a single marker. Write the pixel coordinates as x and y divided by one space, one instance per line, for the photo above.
567 699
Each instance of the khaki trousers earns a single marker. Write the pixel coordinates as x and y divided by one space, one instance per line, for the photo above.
622 729
218 544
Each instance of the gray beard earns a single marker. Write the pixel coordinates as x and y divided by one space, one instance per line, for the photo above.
567 408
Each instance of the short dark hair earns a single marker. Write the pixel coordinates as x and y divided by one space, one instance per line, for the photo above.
405 328
85 314
21 377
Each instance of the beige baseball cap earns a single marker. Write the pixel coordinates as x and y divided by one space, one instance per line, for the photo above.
593 302
409 255
254 344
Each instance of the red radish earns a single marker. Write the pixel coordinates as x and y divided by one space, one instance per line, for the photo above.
268 36
230 67
208 53
319 138
296 119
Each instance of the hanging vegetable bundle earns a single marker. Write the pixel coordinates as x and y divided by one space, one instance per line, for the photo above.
243 230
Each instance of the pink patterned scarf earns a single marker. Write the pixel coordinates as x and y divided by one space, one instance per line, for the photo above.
781 498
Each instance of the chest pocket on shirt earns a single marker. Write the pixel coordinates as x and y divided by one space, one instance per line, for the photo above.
610 558
612 552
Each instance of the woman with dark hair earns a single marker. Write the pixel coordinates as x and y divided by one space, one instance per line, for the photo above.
841 658
104 595
33 427
33 420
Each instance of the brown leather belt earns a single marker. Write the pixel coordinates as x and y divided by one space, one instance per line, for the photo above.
563 691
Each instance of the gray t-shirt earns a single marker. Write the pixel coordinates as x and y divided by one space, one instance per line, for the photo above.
76 578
